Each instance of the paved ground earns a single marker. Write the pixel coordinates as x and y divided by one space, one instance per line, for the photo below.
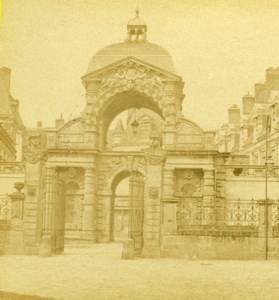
97 272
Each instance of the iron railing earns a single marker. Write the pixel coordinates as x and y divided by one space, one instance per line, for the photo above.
5 208
231 217
275 218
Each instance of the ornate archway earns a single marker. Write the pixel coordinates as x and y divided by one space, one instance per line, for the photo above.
130 83
134 207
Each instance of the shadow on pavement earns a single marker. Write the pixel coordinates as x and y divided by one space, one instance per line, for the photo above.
12 296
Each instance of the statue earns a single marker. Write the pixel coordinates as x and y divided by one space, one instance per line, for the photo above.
33 152
155 155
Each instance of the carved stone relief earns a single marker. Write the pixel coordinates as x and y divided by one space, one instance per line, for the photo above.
33 152
154 195
155 155
188 183
130 75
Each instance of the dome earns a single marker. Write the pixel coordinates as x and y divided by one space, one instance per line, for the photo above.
135 45
145 51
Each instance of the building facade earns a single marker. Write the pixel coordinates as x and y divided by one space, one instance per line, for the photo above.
247 129
11 126
158 181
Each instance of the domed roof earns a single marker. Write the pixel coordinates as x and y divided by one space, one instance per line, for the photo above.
136 46
145 51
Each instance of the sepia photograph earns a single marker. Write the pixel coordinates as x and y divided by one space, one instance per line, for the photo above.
139 149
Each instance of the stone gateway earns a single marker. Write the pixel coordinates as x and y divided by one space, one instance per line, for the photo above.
132 168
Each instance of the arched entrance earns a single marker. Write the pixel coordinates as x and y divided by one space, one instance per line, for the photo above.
128 208
121 102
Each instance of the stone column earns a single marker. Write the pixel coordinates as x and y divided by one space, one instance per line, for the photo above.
169 203
208 196
171 110
91 113
34 156
49 203
32 206
89 205
46 247
155 158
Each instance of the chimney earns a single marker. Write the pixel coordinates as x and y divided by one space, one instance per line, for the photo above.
248 103
272 78
59 122
5 76
234 115
260 93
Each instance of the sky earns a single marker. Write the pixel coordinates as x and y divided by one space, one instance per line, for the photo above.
219 48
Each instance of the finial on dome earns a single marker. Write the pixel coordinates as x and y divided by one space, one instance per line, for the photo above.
137 29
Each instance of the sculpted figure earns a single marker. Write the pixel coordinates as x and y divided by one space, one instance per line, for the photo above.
155 154
33 152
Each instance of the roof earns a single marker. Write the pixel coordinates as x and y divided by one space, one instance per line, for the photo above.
5 106
145 51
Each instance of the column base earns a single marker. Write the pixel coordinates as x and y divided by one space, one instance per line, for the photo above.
89 235
45 248
151 249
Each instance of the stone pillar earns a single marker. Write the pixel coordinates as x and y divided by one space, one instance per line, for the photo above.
32 206
208 196
14 243
169 203
220 180
105 213
171 110
262 218
91 114
265 229
89 205
49 204
155 158
168 184
34 156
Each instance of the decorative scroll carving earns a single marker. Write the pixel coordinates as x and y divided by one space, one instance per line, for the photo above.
131 75
72 175
154 195
34 152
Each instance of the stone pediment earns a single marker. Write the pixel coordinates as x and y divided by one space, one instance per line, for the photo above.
130 63
73 126
188 127
189 135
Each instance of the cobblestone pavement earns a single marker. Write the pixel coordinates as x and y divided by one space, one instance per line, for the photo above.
98 272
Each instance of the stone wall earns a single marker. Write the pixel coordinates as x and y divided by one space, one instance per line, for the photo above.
248 187
223 247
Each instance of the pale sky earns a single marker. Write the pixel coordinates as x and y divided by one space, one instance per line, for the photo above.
220 48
